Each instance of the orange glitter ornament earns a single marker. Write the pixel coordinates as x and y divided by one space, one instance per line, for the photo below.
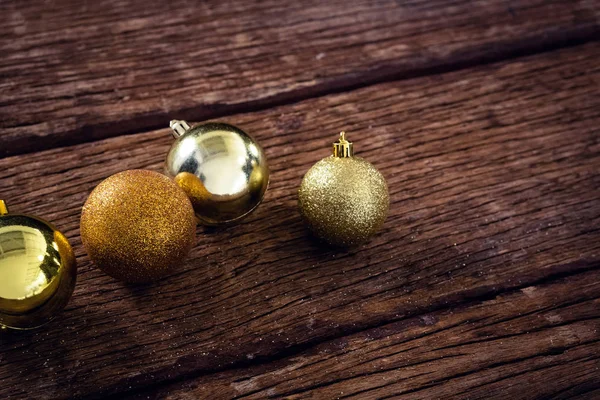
137 225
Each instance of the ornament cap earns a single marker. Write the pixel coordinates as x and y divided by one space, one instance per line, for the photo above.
3 208
179 127
343 148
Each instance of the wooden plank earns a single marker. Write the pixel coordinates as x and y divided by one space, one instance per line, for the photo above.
77 71
538 342
494 183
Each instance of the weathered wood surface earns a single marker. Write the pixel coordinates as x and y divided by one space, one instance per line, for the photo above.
543 336
74 71
494 174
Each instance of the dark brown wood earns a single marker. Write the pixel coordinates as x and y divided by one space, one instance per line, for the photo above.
75 71
543 336
495 190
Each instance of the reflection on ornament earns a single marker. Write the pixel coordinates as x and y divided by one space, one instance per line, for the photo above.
221 168
37 270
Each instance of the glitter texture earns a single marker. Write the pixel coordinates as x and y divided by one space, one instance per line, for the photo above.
344 201
137 225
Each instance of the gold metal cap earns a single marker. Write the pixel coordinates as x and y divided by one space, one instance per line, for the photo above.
3 208
343 148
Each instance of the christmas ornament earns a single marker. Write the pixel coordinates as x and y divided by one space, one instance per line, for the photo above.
137 225
343 199
37 270
221 168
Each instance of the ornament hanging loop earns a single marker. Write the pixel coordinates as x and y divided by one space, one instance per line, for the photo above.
179 127
343 148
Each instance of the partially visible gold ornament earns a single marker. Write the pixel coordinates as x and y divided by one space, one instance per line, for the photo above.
37 270
222 169
343 199
137 225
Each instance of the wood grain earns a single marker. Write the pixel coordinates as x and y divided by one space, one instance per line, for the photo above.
544 336
75 71
493 174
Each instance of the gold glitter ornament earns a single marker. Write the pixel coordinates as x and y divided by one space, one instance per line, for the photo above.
343 199
37 270
221 168
137 225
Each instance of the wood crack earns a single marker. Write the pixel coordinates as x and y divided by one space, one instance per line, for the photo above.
302 347
344 83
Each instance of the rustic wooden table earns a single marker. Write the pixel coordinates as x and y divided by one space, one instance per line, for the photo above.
484 117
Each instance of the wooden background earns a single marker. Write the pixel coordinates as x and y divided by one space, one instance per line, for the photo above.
483 116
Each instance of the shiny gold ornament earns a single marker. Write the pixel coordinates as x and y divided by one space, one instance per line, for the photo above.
37 270
137 225
343 199
221 168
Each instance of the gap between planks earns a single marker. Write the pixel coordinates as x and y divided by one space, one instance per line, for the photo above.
293 351
424 37
340 85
